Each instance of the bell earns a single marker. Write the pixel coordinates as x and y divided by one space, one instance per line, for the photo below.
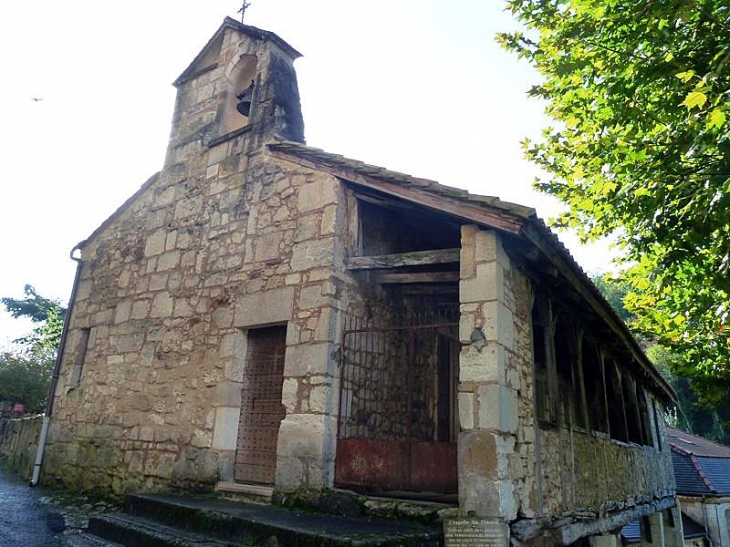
244 101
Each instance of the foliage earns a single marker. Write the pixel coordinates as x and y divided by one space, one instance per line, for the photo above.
25 379
44 340
25 375
614 290
690 414
640 93
33 305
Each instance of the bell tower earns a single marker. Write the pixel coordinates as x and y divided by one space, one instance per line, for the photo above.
242 83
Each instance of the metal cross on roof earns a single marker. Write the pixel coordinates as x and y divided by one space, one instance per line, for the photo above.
243 9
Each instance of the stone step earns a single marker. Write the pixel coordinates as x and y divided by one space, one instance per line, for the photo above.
251 493
128 530
84 539
225 520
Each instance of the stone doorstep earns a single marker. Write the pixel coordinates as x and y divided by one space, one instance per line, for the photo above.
401 507
253 493
149 517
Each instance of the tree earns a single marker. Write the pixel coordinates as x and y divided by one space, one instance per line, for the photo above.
690 414
25 375
640 94
25 379
48 313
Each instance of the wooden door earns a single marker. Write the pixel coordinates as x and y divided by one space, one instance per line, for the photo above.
261 408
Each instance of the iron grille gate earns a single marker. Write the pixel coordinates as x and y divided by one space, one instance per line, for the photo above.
397 422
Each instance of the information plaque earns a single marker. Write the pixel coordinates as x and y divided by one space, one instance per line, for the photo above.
476 532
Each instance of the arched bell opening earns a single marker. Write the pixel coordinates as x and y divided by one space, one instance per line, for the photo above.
237 105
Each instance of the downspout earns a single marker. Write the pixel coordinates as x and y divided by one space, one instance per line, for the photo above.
56 372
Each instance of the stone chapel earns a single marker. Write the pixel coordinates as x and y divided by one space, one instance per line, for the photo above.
266 317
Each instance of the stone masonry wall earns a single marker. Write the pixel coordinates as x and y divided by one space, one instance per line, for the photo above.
167 293
509 467
19 443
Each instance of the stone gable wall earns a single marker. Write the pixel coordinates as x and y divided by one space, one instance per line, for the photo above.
167 292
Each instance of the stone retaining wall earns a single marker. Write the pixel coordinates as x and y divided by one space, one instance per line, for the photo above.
19 442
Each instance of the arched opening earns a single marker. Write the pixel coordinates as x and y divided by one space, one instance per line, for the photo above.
239 78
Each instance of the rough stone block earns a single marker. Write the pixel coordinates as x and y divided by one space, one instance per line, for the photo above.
307 228
155 243
124 310
162 305
319 398
312 254
329 220
311 297
485 366
466 411
478 485
290 394
300 457
267 246
168 261
227 394
498 323
305 359
262 308
225 430
317 194
498 408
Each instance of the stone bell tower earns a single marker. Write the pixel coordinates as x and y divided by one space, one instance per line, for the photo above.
242 83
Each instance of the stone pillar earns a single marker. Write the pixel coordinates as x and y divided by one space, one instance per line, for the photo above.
488 407
307 436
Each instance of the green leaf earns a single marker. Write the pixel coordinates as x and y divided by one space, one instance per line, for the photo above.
716 119
685 76
694 99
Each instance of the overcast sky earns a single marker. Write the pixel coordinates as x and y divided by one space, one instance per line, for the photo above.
418 86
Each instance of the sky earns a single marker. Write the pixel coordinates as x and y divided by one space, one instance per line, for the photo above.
417 86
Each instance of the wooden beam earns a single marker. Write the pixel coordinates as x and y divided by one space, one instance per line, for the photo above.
590 294
416 258
416 277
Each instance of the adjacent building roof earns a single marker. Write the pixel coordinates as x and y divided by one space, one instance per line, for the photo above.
632 532
691 529
701 467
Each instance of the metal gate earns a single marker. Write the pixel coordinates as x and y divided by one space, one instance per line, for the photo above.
261 408
397 422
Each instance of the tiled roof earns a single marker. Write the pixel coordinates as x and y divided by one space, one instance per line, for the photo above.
688 477
694 444
632 532
717 471
701 467
321 157
511 217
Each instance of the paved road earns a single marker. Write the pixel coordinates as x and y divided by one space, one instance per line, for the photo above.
24 520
